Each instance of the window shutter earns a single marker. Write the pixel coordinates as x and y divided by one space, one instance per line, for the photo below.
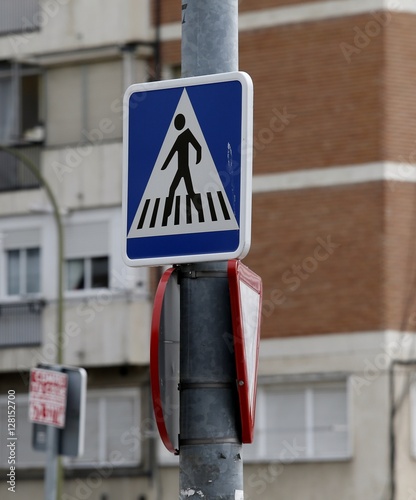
86 240
109 415
122 417
15 240
92 432
64 110
330 422
301 421
286 423
104 85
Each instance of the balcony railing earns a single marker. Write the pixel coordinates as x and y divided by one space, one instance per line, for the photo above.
14 175
21 323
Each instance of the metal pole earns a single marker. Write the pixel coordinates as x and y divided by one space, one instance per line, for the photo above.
52 466
209 37
210 460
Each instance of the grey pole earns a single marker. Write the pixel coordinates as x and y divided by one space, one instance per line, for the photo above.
51 477
209 37
210 460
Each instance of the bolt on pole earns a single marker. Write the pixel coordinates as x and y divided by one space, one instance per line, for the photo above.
210 458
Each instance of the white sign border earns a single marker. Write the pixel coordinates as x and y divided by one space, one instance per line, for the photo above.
246 166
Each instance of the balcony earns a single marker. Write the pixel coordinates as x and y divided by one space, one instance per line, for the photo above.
21 323
14 175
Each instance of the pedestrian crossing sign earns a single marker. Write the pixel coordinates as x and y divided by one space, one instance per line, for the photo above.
187 169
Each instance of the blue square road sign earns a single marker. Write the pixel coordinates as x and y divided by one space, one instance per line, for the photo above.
187 169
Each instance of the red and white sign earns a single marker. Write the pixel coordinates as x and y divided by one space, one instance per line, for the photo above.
47 397
246 298
164 359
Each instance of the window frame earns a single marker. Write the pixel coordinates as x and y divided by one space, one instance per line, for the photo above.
15 73
87 266
258 450
23 276
103 395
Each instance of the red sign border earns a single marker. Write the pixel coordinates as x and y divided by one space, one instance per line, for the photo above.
154 360
237 273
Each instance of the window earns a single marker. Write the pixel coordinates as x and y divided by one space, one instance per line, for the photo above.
87 273
111 417
20 120
23 271
301 422
86 251
19 16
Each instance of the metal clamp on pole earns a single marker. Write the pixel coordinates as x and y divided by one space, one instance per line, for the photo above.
192 274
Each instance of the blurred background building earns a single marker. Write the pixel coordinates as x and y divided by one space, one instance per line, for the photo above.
333 239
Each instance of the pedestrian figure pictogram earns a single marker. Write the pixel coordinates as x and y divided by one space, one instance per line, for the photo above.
181 148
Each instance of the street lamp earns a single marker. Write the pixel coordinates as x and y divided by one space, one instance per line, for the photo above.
54 471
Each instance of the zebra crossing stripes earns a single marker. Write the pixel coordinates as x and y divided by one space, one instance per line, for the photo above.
212 208
143 215
154 214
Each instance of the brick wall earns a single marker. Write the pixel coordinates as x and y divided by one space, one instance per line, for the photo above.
334 238
336 106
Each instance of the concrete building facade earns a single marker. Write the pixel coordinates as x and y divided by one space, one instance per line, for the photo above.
332 238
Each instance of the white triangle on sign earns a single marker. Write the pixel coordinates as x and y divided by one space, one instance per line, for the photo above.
188 198
250 309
